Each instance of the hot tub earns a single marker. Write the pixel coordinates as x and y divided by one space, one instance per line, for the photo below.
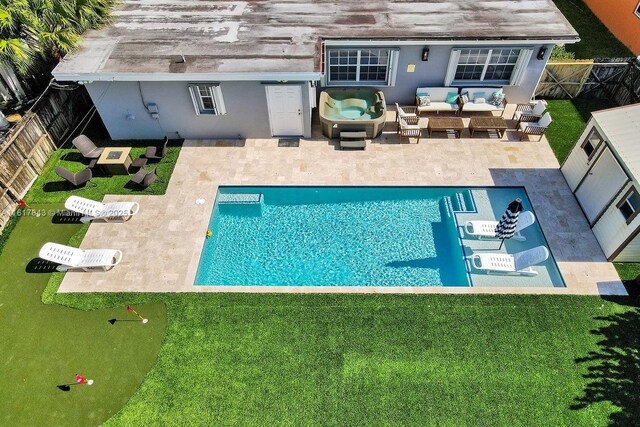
352 109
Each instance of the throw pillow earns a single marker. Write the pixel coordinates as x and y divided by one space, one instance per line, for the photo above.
478 95
452 97
424 101
422 93
497 98
465 97
479 101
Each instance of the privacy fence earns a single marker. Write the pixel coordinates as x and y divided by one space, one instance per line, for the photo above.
29 144
616 79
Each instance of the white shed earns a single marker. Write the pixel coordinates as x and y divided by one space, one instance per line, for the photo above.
603 171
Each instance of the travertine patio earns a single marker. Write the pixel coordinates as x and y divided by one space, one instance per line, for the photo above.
162 244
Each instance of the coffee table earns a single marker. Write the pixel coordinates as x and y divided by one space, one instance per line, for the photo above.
444 124
116 160
488 123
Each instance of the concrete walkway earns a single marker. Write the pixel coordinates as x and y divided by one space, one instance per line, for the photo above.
162 244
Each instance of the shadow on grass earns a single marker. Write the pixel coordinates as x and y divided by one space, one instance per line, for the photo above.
614 370
66 217
57 186
40 266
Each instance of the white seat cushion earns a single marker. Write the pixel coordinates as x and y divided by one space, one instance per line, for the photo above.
439 106
480 107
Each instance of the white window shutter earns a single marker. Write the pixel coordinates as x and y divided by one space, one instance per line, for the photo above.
393 67
521 67
453 65
217 96
194 99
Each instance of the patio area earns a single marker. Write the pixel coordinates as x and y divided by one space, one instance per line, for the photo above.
162 244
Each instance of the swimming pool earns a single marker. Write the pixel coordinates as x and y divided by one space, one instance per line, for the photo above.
339 236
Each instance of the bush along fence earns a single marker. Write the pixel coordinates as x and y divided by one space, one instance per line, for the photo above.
29 144
615 79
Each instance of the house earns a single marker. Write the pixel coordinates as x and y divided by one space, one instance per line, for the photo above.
622 19
240 69
603 171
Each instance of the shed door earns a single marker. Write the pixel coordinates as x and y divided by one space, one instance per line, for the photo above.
604 181
285 110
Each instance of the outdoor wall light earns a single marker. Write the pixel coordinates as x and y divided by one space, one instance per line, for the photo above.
541 53
425 54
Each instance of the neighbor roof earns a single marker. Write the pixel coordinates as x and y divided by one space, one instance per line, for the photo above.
146 36
621 128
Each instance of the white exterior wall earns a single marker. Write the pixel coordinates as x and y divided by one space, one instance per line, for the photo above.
612 230
576 164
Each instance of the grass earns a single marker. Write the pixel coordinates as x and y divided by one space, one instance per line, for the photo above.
569 120
245 359
50 188
596 41
46 345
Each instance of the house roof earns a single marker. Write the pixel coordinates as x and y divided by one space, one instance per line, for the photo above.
147 36
621 128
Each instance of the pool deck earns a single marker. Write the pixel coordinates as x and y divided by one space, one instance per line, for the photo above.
162 244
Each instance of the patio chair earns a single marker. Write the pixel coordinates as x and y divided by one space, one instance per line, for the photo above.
409 114
529 113
71 258
86 147
108 212
75 179
157 153
519 263
409 130
145 178
535 128
487 229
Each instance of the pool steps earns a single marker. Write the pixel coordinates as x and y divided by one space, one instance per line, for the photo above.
239 198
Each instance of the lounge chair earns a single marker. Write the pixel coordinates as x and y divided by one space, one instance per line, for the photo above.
487 229
86 147
79 259
145 178
157 153
75 179
535 128
519 263
92 210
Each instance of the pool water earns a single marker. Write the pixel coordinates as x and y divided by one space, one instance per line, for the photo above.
337 236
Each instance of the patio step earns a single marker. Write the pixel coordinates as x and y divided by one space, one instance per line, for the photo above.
239 198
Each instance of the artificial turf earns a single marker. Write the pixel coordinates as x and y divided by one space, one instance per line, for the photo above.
50 188
596 41
43 346
242 359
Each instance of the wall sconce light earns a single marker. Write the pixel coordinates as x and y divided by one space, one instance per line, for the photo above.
541 53
425 54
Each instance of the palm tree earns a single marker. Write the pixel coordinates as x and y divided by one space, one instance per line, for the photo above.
45 29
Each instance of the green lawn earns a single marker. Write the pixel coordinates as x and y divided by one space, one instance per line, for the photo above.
43 346
569 120
50 188
596 40
309 359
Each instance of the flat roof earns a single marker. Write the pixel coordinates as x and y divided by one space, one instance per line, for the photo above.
147 36
621 128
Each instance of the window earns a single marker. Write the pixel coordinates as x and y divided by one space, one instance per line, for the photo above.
492 65
207 99
591 143
486 64
637 11
630 205
365 66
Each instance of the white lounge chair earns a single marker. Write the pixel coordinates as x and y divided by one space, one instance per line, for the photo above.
487 229
519 263
91 210
79 259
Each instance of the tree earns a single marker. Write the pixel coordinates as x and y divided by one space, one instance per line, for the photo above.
32 30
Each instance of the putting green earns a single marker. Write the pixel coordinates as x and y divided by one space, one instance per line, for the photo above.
42 346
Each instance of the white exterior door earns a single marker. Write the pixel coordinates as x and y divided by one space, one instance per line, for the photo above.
604 181
285 110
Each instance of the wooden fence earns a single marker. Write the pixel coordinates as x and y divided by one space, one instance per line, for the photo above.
616 79
29 144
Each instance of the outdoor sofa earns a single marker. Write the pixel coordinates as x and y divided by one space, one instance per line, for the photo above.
430 99
476 99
